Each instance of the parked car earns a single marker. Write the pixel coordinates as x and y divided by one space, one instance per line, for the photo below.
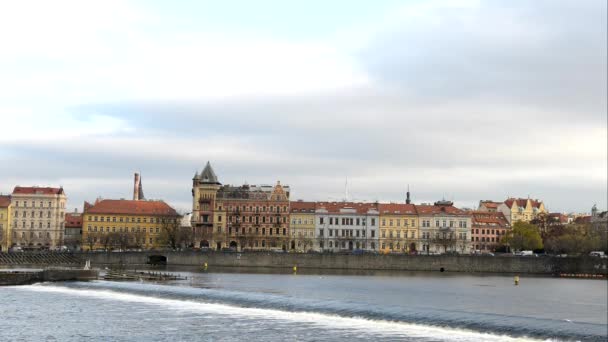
16 249
598 254
525 253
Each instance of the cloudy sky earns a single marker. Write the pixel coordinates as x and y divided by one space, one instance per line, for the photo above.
465 100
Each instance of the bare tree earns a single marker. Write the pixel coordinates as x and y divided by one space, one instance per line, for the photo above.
171 232
446 239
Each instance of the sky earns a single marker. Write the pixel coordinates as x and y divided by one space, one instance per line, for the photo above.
462 100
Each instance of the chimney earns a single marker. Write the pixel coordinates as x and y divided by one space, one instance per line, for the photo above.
136 183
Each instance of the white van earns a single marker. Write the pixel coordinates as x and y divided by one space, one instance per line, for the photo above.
526 253
599 254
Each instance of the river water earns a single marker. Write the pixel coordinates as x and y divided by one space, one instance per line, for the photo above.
308 307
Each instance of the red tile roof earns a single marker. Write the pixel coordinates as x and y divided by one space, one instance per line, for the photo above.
490 204
397 208
427 209
35 190
5 201
334 207
131 207
521 202
561 218
73 220
484 217
302 207
582 219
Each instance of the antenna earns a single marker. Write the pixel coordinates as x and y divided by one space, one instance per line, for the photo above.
346 190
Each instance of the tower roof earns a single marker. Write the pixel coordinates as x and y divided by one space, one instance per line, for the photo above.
208 175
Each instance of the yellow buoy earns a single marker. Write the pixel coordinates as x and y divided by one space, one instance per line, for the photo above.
516 280
295 269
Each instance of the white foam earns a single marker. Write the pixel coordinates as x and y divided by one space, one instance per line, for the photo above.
355 324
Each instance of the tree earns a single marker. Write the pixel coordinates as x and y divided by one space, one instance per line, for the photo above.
90 240
446 239
523 236
171 232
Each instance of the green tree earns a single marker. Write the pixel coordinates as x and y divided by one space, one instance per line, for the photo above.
523 236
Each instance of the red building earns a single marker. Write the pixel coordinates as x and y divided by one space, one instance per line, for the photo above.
487 230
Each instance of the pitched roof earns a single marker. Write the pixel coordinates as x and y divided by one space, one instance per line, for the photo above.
334 207
35 190
522 202
562 218
397 208
131 207
73 220
583 219
5 201
302 207
427 209
490 204
485 217
208 175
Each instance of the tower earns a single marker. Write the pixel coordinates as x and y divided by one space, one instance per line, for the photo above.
204 190
138 189
407 199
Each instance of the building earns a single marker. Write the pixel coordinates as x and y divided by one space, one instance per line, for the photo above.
38 217
5 223
488 228
488 206
126 224
246 216
72 237
398 227
257 217
302 225
558 218
346 226
443 228
521 209
207 223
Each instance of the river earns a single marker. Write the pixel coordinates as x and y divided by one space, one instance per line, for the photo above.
308 307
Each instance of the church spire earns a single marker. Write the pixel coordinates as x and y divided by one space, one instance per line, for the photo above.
407 199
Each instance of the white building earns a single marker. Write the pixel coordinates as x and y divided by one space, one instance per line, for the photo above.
346 226
444 228
38 217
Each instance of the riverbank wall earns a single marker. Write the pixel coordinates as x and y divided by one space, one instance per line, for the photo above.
24 277
394 262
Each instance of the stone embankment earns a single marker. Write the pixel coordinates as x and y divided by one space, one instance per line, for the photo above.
41 259
24 277
391 262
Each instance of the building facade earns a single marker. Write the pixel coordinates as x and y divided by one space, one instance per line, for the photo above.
126 224
239 217
257 217
38 217
302 225
207 215
72 237
521 209
5 223
443 228
488 228
599 220
398 227
347 226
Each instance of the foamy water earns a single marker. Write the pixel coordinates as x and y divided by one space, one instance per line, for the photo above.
236 307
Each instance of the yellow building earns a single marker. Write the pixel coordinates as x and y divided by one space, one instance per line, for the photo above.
5 223
126 224
302 225
521 209
398 227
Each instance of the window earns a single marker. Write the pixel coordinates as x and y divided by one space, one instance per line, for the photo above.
373 222
321 221
373 235
321 232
